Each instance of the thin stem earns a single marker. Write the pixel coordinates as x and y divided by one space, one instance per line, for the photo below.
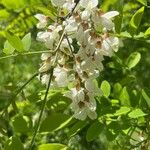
24 85
46 93
49 83
70 14
42 109
24 54
18 91
69 45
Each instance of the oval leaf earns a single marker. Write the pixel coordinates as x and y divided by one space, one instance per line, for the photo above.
52 146
76 128
94 130
8 48
15 42
124 97
136 20
133 60
55 122
20 125
105 87
26 41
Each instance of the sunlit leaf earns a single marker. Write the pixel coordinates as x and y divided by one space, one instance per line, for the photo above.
146 97
144 2
133 59
136 20
52 146
8 48
136 113
26 41
124 97
147 32
15 42
122 111
105 87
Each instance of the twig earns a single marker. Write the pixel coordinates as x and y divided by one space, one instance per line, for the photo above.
49 83
18 91
69 45
24 54
42 109
46 93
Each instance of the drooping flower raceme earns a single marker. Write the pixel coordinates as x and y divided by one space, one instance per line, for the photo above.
78 59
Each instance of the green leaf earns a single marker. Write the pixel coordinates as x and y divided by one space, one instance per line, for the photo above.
76 128
55 122
13 144
58 102
122 111
147 32
26 41
117 90
133 59
146 97
124 97
20 124
8 48
15 42
105 87
118 19
52 146
136 20
94 130
14 4
136 113
144 2
4 14
51 12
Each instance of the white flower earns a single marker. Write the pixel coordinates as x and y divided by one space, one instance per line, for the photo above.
61 76
89 5
92 88
85 108
42 21
104 20
58 3
109 45
50 37
46 66
71 25
45 56
43 36
75 95
78 61
69 5
44 79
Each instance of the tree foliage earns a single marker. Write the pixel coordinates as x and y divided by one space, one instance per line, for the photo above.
123 108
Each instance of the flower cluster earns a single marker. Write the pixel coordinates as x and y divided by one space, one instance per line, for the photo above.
85 37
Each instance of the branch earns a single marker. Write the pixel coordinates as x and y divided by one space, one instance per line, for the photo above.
42 109
24 54
46 93
18 91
